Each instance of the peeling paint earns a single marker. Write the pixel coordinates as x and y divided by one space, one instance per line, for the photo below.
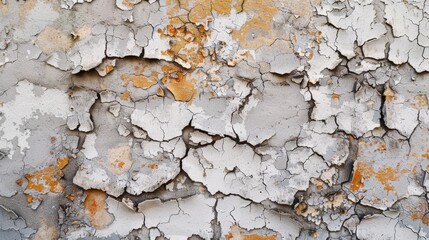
221 119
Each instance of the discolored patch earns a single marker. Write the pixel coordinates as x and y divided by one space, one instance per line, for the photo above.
95 209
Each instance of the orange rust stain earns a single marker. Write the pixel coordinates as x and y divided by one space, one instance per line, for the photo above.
152 166
169 68
239 233
62 162
420 214
95 201
335 97
224 7
295 40
258 237
126 95
426 155
118 163
119 159
128 3
29 198
71 197
425 219
310 55
107 69
301 208
319 184
139 81
182 89
178 84
319 37
389 94
171 31
200 13
160 92
416 216
47 179
19 182
187 43
382 147
357 182
257 31
95 205
387 175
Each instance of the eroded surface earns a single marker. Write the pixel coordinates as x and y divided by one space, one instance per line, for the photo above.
214 119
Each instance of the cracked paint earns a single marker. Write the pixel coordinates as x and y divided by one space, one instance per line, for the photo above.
220 119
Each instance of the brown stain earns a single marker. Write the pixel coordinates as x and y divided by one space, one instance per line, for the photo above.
416 216
19 182
46 232
425 219
420 101
382 147
152 166
318 183
225 7
200 13
51 40
318 36
426 155
301 208
300 8
310 55
71 196
4 9
25 9
95 208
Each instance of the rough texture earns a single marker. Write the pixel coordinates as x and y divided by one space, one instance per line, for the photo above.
214 119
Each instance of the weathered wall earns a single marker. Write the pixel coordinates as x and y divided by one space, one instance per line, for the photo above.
214 119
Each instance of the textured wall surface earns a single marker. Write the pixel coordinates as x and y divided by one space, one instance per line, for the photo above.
214 119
